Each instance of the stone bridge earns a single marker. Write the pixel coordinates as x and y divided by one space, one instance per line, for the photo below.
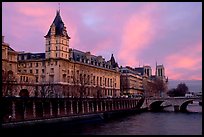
179 103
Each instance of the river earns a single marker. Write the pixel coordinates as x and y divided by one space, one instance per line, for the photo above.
145 123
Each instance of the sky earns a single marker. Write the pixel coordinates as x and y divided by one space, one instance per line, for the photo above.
136 33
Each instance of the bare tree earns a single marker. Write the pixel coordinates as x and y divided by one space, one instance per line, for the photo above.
8 83
84 81
148 88
124 84
160 86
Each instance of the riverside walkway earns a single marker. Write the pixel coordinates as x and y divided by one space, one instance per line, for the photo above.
18 110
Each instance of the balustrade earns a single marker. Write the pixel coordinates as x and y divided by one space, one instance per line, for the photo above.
41 108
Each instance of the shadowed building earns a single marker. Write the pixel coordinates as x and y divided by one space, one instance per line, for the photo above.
131 82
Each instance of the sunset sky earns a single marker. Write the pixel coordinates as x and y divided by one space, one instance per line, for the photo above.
136 33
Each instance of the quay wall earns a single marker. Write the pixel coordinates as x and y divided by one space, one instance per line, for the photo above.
42 110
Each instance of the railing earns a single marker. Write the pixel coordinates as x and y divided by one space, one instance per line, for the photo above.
22 109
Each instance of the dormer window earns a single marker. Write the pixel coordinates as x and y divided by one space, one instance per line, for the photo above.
78 58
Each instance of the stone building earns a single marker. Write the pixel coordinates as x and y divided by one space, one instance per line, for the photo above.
153 85
131 82
63 72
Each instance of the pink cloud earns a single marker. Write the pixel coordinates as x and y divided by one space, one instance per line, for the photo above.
172 75
137 35
189 60
104 45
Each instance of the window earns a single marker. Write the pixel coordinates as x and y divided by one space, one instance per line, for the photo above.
94 80
51 79
55 63
48 48
48 42
36 64
97 80
43 63
52 70
43 71
36 71
78 58
36 79
26 79
88 79
30 64
100 81
10 66
31 71
56 54
105 81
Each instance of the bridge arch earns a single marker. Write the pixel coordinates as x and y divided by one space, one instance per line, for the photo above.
156 105
183 107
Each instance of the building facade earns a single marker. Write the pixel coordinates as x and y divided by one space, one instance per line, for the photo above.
65 72
131 82
61 71
153 85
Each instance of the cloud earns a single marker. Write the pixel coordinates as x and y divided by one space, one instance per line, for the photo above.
137 35
185 63
169 33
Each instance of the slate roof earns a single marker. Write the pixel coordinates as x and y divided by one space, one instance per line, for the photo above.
59 27
86 57
32 56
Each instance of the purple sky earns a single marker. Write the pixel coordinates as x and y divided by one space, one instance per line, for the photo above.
135 32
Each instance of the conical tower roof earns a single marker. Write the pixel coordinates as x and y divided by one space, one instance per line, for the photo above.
60 29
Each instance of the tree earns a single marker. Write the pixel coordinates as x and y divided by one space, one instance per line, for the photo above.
154 87
159 86
83 82
8 83
181 90
124 84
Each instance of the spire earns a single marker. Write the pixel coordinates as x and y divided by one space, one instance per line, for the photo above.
113 63
59 7
60 29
